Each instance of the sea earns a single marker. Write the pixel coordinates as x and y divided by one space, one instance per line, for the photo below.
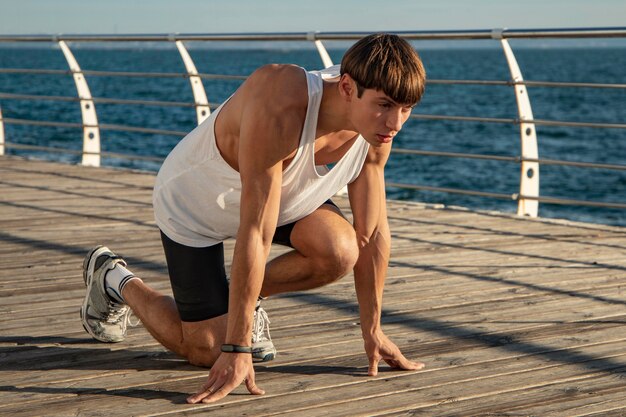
560 63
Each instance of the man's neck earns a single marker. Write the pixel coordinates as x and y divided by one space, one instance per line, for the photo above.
334 113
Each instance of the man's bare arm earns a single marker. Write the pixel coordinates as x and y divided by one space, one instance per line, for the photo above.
368 203
367 199
269 130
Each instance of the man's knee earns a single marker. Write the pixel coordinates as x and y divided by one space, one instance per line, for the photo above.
201 340
338 259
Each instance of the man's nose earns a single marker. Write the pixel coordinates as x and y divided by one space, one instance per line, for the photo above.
394 120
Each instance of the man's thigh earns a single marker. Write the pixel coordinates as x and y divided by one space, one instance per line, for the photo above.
198 280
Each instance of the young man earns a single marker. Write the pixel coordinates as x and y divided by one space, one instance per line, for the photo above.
257 170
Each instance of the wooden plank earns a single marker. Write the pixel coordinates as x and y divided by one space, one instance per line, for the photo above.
569 400
616 411
562 399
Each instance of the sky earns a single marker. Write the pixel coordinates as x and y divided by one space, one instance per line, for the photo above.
236 16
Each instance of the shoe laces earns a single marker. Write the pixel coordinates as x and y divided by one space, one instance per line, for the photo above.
260 328
120 314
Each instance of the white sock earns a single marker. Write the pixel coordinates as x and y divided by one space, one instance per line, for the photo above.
115 280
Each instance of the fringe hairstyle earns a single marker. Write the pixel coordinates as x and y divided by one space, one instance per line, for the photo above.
389 63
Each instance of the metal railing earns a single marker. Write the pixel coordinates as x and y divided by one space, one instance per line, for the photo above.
529 161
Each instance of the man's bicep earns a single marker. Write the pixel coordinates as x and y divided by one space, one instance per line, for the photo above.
260 202
263 146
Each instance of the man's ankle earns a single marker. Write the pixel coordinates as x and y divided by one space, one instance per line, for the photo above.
115 280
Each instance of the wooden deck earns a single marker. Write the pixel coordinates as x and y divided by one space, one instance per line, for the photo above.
512 316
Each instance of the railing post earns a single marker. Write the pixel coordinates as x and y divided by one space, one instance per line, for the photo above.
311 36
203 110
91 131
529 176
1 133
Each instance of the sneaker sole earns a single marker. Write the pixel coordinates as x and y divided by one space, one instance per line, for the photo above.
266 358
269 354
87 262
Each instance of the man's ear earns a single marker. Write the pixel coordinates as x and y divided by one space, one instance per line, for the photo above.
347 87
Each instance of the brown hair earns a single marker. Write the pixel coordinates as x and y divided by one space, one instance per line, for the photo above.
389 63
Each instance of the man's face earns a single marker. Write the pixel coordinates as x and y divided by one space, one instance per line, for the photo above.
377 117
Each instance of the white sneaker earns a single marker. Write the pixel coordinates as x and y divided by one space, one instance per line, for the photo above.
104 319
263 349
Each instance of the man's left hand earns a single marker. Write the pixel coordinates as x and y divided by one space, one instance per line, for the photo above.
378 347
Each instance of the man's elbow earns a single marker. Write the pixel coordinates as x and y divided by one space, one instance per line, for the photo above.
362 240
378 238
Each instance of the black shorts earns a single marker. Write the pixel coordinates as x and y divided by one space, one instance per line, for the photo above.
198 275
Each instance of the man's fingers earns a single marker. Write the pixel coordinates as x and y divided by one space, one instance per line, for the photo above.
403 363
217 395
393 363
212 396
204 391
199 396
220 393
252 387
373 368
414 366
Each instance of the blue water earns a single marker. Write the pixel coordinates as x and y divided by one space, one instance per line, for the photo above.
599 65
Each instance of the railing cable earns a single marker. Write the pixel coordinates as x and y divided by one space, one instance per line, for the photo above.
515 159
502 196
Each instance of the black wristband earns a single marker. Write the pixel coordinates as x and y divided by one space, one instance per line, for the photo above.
236 349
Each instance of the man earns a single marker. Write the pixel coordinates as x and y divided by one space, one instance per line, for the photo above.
257 170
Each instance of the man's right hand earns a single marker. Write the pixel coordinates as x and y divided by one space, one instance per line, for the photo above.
228 372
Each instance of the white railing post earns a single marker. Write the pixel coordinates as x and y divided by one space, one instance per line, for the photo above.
91 131
311 36
1 134
529 177
203 110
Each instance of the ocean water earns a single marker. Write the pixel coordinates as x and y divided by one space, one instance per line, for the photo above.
595 65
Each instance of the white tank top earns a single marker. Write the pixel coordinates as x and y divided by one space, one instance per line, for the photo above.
197 194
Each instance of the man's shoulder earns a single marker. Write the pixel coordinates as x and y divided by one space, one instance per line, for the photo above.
282 85
283 73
